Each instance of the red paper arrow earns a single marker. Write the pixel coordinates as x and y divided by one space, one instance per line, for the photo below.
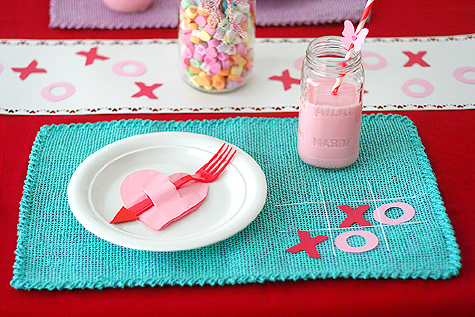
129 214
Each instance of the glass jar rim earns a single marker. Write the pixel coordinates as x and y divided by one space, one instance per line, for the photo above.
328 53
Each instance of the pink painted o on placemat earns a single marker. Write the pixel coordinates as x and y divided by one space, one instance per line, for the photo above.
46 92
380 213
118 68
459 74
428 88
381 61
341 241
1 68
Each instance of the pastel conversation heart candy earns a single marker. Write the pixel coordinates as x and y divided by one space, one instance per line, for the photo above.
170 204
201 20
211 52
215 68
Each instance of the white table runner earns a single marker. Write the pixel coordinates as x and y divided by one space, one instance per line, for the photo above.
142 76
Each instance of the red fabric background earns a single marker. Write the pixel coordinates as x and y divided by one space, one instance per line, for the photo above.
447 136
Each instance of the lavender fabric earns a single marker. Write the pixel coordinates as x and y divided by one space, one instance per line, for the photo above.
93 14
307 12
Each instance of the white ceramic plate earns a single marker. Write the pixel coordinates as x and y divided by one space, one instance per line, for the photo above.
234 199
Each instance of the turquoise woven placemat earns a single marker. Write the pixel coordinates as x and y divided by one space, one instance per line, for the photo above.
302 211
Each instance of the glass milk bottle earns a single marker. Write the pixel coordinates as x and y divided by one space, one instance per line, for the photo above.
128 6
216 42
329 121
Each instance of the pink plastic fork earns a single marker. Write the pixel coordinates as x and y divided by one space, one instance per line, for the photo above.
206 174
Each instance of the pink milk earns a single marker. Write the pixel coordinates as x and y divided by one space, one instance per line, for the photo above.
329 125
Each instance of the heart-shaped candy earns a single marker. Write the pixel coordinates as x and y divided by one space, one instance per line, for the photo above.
200 49
201 20
223 56
211 52
215 68
213 42
170 204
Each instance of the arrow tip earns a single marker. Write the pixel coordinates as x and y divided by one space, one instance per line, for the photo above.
124 215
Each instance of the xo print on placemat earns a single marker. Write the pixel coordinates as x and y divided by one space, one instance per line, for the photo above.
62 90
339 236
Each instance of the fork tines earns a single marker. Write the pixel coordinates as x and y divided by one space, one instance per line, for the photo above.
220 160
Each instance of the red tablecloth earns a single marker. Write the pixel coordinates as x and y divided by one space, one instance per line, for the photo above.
447 136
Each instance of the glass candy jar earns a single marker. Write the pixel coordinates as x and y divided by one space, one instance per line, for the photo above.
216 43
330 104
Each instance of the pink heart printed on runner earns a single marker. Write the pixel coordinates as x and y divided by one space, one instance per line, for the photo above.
170 204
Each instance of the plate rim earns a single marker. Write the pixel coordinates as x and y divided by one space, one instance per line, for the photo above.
94 223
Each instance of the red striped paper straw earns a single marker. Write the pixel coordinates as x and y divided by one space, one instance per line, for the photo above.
364 17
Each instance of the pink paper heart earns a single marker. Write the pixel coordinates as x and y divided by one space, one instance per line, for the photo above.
170 204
